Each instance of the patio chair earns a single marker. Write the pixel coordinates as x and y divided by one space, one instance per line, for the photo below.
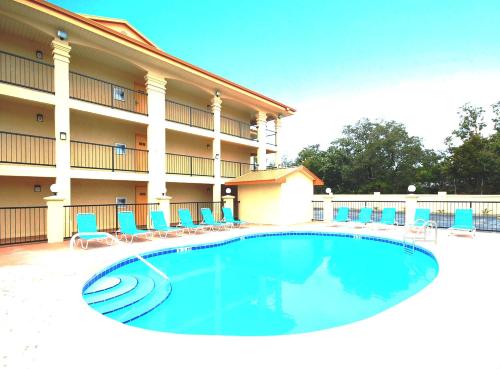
186 222
229 218
364 217
209 220
126 222
160 225
464 222
86 224
388 218
421 227
342 216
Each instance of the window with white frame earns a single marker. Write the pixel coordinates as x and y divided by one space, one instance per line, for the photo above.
118 93
120 149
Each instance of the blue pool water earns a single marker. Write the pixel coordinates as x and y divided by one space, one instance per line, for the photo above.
263 285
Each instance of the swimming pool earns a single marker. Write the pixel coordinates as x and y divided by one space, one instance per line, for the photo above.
263 284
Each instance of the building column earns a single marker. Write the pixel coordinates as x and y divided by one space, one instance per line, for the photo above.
261 137
60 53
155 88
277 155
216 148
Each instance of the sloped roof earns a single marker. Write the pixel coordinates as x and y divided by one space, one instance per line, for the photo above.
273 176
122 26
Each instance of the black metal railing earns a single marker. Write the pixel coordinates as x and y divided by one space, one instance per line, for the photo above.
317 210
21 71
108 157
486 214
189 165
194 207
90 89
107 216
377 206
233 169
234 127
185 114
21 148
23 224
271 137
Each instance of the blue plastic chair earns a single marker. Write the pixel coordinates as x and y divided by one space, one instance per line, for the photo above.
126 222
342 215
388 217
209 220
464 222
364 216
229 218
422 216
186 221
87 223
160 224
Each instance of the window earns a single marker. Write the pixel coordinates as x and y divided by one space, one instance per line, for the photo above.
120 149
118 93
121 200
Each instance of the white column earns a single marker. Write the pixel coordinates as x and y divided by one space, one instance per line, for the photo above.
60 53
164 205
229 202
55 218
216 148
155 87
277 155
410 207
327 208
261 137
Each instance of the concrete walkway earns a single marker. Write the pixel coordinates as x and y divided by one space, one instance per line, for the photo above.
453 323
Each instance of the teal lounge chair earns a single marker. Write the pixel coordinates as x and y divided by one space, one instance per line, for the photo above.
126 222
422 226
388 218
186 221
87 228
342 215
422 216
160 225
464 222
229 218
209 220
364 217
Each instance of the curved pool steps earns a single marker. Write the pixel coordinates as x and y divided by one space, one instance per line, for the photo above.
141 294
126 284
102 285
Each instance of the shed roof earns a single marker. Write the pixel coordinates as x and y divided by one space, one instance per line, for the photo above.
273 176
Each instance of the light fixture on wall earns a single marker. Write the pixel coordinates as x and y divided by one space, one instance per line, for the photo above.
217 156
54 188
280 116
217 93
39 118
412 188
62 136
37 188
63 36
39 54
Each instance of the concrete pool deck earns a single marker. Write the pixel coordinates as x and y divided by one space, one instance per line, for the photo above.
452 323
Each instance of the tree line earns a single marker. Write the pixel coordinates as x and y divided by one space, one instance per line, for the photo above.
381 156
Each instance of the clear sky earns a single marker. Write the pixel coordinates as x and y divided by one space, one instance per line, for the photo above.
415 61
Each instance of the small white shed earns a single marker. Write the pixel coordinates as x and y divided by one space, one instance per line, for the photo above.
276 196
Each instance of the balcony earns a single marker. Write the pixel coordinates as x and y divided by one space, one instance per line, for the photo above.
108 157
233 169
188 115
233 127
18 148
104 93
189 165
24 72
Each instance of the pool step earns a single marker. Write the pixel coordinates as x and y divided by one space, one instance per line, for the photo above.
126 284
129 299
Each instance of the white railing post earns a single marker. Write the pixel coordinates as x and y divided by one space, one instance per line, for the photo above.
55 218
327 208
229 202
164 205
411 203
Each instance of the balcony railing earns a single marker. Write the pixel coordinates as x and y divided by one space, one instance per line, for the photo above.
20 71
236 128
189 165
108 157
185 114
233 169
99 92
18 148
